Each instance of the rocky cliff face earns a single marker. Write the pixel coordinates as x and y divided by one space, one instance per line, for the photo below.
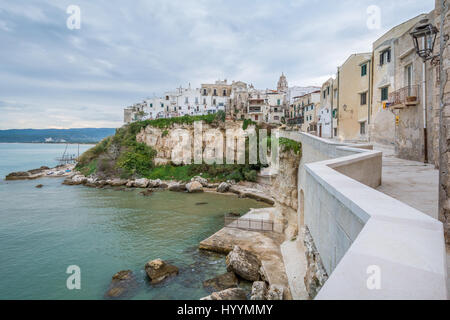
285 192
167 142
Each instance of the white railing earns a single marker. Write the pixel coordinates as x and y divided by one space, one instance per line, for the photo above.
372 246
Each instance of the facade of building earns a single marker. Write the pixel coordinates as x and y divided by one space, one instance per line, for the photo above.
382 126
257 105
309 104
215 96
354 94
277 104
324 125
411 102
238 100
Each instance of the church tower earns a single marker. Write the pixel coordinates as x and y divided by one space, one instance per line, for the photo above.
282 84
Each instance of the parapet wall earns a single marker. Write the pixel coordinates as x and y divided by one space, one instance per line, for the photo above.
371 245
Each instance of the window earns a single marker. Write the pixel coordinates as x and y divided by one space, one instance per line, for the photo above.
385 56
363 70
214 102
224 92
167 97
408 78
196 100
215 92
384 93
363 98
151 105
204 101
186 100
362 128
324 94
328 91
278 102
204 92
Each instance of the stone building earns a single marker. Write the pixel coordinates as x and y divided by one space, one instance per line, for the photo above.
382 126
324 125
277 104
216 96
238 100
411 102
354 92
257 105
309 104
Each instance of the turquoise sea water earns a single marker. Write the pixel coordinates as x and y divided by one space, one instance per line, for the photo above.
103 231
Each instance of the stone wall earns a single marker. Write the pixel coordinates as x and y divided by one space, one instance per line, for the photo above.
442 119
316 276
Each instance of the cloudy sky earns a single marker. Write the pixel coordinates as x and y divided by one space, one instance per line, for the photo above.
54 77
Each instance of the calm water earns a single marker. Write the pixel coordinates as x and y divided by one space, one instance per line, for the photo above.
43 231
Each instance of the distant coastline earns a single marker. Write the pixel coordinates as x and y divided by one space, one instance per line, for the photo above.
60 136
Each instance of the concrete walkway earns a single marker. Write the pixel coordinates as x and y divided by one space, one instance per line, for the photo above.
414 183
295 264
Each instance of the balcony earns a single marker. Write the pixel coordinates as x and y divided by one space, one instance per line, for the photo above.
405 97
254 109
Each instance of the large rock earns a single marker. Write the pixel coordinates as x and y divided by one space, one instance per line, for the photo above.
244 263
259 290
154 183
228 294
194 187
158 270
222 282
275 292
223 187
201 180
79 179
141 183
118 182
130 184
122 285
177 187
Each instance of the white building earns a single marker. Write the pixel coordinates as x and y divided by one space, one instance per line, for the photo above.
324 122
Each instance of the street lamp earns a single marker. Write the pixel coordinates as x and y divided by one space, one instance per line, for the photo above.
424 37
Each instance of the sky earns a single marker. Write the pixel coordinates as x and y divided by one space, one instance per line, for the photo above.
52 76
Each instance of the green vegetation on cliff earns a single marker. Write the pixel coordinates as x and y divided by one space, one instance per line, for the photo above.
122 156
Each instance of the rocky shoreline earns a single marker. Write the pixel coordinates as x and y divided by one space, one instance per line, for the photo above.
196 185
42 172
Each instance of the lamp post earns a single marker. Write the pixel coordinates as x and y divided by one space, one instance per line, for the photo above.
424 36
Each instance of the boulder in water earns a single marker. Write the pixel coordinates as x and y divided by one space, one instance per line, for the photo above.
122 285
244 263
158 270
222 282
194 187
